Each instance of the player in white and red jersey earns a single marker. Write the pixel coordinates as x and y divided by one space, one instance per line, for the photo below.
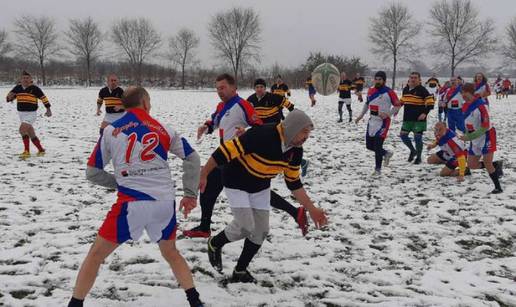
382 103
231 117
481 134
482 88
138 146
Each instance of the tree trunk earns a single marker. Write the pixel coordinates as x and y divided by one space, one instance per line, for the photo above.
453 65
42 70
88 71
395 64
183 75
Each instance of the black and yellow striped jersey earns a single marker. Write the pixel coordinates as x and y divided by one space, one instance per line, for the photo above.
416 101
433 83
269 108
280 89
27 98
112 99
359 83
253 159
345 87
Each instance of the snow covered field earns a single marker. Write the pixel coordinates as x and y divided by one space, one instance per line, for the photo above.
408 238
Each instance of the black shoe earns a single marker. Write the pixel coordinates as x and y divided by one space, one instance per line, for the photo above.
417 161
244 276
339 121
496 191
215 256
350 120
412 156
467 172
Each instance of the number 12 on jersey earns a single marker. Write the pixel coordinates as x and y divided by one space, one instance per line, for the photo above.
149 142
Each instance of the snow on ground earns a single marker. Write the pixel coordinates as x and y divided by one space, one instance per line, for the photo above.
409 238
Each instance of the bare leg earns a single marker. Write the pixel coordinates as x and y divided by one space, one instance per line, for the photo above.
474 162
434 159
177 263
99 251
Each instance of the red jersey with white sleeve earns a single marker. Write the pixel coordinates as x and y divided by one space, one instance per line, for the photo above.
138 145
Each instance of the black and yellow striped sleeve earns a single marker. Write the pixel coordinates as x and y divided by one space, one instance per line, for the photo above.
287 104
292 173
41 96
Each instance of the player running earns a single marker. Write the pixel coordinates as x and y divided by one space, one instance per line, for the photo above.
455 101
268 106
452 153
280 88
27 95
251 161
417 103
344 90
138 145
231 117
382 103
358 84
482 136
111 96
311 90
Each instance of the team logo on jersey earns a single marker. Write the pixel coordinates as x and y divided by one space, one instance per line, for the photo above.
127 126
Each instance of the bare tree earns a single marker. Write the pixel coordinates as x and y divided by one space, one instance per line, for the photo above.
235 34
509 48
36 40
460 35
5 46
393 34
182 50
85 40
137 39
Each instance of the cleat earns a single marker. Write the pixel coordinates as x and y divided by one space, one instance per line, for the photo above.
215 256
25 155
197 232
387 157
467 172
302 220
339 121
244 277
377 173
412 156
496 191
40 153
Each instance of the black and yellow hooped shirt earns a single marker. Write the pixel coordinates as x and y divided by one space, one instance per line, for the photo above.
27 98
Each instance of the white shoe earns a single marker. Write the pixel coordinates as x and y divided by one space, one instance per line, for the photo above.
377 173
387 157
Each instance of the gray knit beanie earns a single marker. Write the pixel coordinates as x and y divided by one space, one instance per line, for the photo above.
295 121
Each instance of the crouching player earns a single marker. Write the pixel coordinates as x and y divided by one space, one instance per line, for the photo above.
452 152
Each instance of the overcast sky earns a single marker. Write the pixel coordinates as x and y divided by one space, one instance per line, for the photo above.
291 28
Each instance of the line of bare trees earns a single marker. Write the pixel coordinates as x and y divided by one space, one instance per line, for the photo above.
234 35
456 35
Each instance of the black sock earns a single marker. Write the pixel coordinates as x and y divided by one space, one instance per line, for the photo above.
101 131
482 164
75 302
219 240
280 203
494 178
248 252
408 142
193 297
